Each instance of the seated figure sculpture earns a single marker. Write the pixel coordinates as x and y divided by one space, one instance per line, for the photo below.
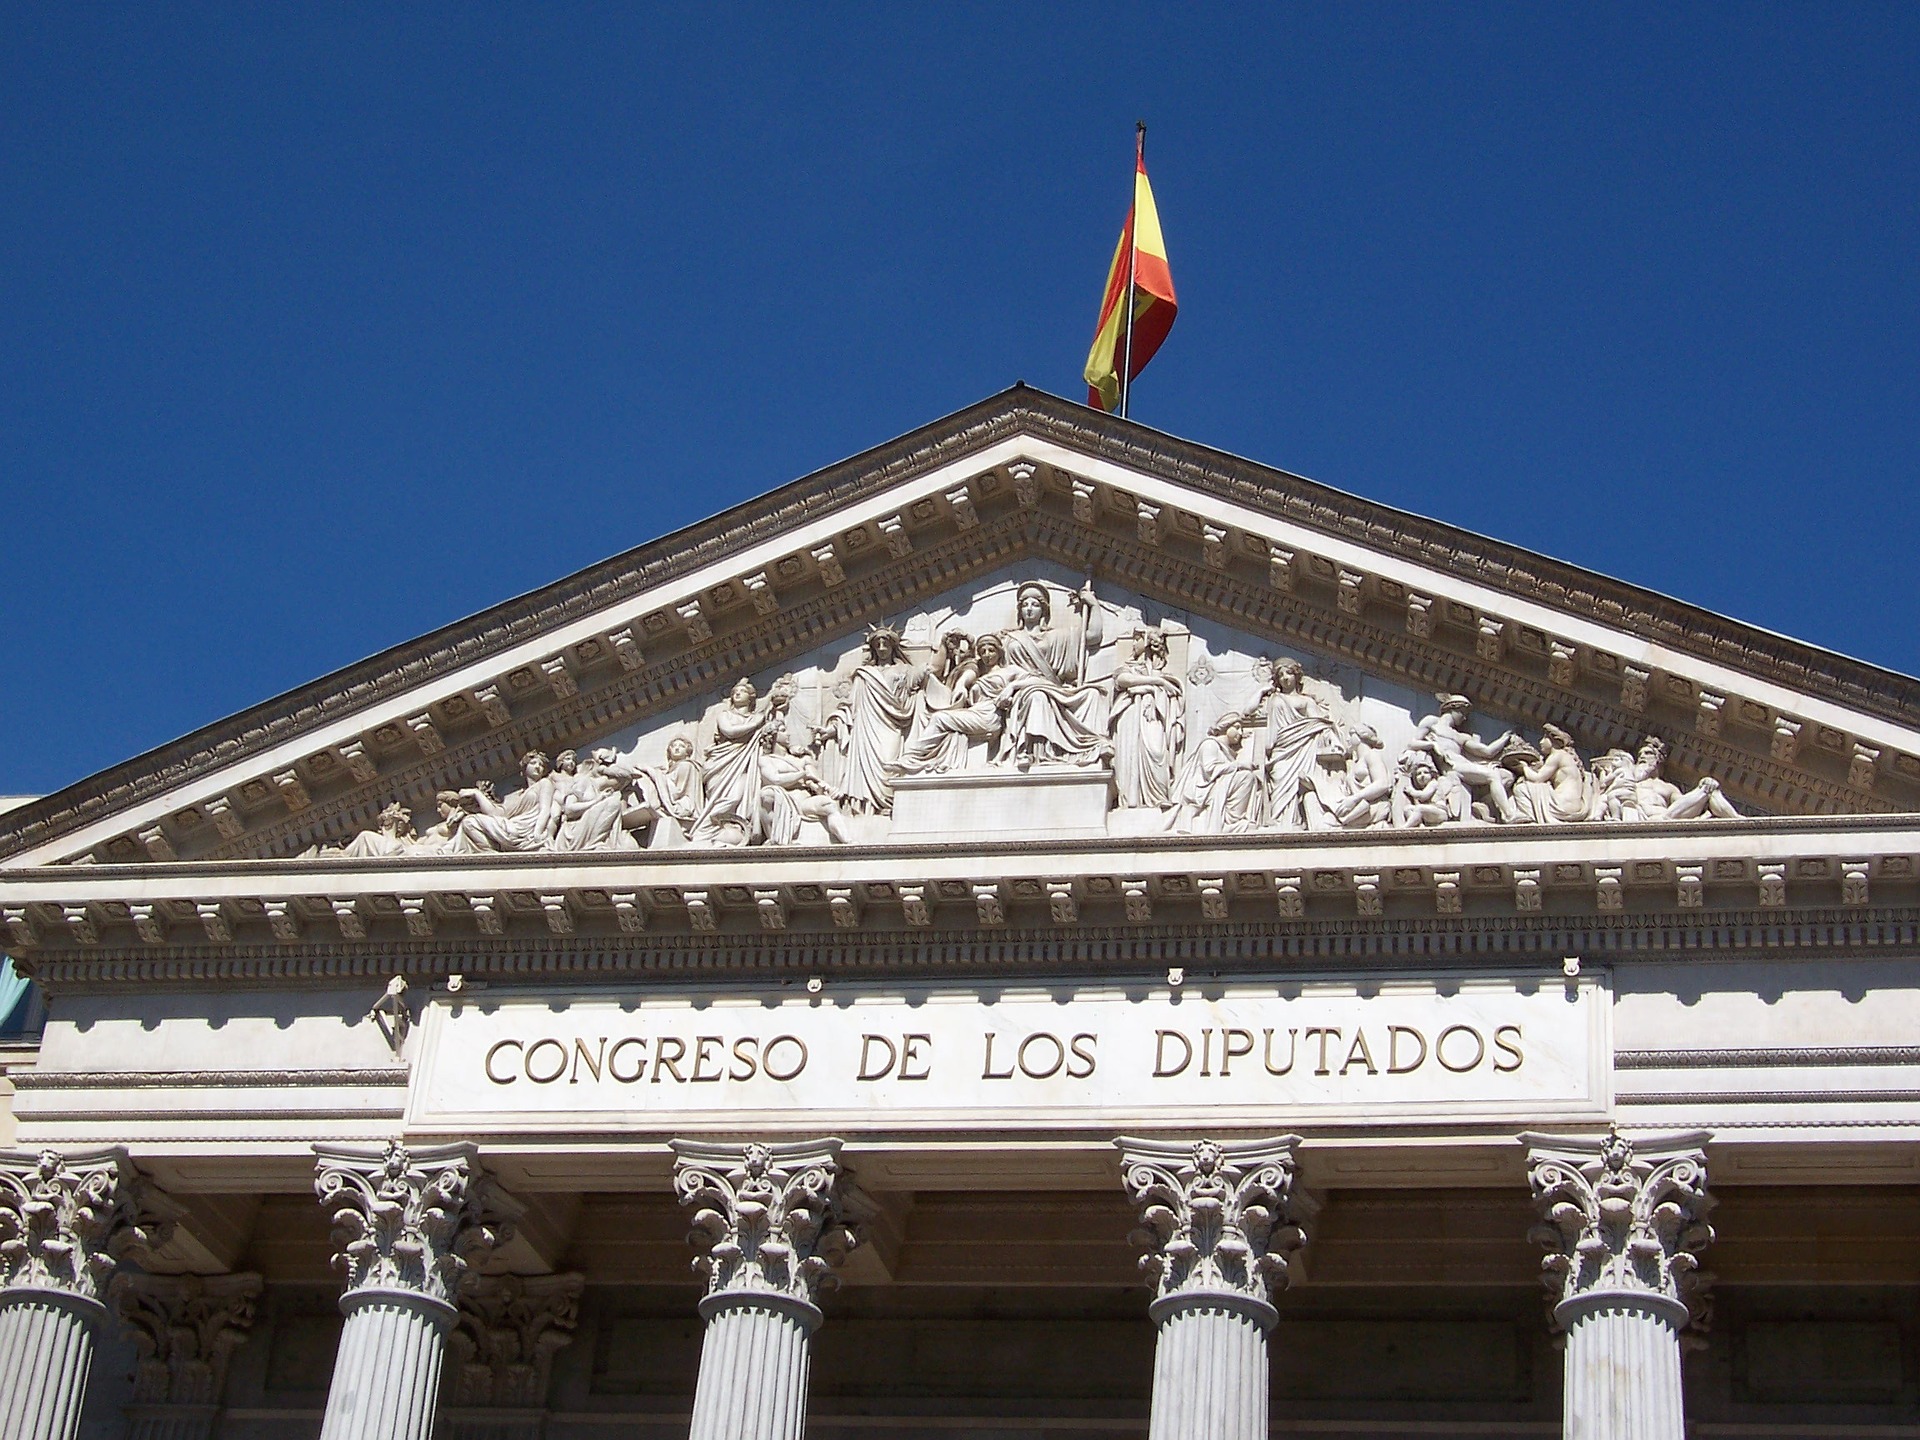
973 714
1052 715
1218 789
1557 788
1654 797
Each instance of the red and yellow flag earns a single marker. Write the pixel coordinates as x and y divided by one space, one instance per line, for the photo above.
1141 254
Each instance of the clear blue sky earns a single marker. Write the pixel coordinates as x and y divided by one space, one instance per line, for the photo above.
324 325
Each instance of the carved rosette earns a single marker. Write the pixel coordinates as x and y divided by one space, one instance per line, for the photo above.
185 1328
767 1220
413 1221
66 1221
1220 1220
1623 1223
509 1330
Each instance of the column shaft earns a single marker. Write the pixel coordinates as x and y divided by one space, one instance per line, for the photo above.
754 1363
1210 1374
386 1378
46 1350
1623 1376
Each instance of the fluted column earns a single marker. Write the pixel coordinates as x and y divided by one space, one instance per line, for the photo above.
769 1231
1624 1223
66 1221
185 1328
503 1344
407 1225
1219 1221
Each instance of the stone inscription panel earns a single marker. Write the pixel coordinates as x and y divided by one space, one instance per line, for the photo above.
1443 1050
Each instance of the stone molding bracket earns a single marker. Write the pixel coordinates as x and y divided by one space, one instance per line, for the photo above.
1623 1222
1220 1220
768 1220
67 1220
411 1220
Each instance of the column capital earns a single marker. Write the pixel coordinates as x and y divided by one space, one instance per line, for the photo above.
186 1328
1219 1219
509 1330
768 1223
67 1220
411 1221
1624 1222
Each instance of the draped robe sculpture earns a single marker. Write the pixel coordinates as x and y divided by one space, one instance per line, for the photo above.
870 727
1051 714
1149 725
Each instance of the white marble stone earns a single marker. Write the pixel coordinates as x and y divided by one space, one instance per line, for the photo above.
1219 1222
1054 803
1624 1223
1087 1058
408 1225
767 1226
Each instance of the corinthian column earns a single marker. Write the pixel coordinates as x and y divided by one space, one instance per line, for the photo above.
186 1328
65 1223
768 1229
1218 1221
407 1225
1624 1225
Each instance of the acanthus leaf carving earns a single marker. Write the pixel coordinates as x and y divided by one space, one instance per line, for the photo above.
509 1329
411 1220
67 1220
1622 1222
185 1329
1218 1219
767 1218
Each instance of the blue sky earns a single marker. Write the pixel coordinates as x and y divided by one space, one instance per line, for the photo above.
325 325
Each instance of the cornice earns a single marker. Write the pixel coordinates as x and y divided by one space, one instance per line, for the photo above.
688 658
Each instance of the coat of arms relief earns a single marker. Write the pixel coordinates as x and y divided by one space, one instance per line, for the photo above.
1191 728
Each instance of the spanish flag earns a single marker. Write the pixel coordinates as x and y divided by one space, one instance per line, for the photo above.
1140 266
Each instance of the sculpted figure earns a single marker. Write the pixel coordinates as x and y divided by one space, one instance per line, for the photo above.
1467 758
1051 714
870 728
1362 794
594 809
394 837
442 836
685 791
730 777
1298 730
1424 796
956 648
791 793
1557 790
1653 797
528 819
1149 725
939 746
1219 786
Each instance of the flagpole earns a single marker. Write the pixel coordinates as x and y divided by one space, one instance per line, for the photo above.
1133 251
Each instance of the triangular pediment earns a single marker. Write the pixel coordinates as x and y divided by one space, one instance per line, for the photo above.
1238 566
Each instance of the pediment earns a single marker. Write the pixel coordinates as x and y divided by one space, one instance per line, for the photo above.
1237 566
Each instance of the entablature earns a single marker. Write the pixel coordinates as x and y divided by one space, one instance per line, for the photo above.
1513 888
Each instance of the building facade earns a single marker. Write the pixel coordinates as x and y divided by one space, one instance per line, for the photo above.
1040 929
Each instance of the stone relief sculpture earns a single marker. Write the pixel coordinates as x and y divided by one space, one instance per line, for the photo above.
1149 725
1051 713
1200 735
870 727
